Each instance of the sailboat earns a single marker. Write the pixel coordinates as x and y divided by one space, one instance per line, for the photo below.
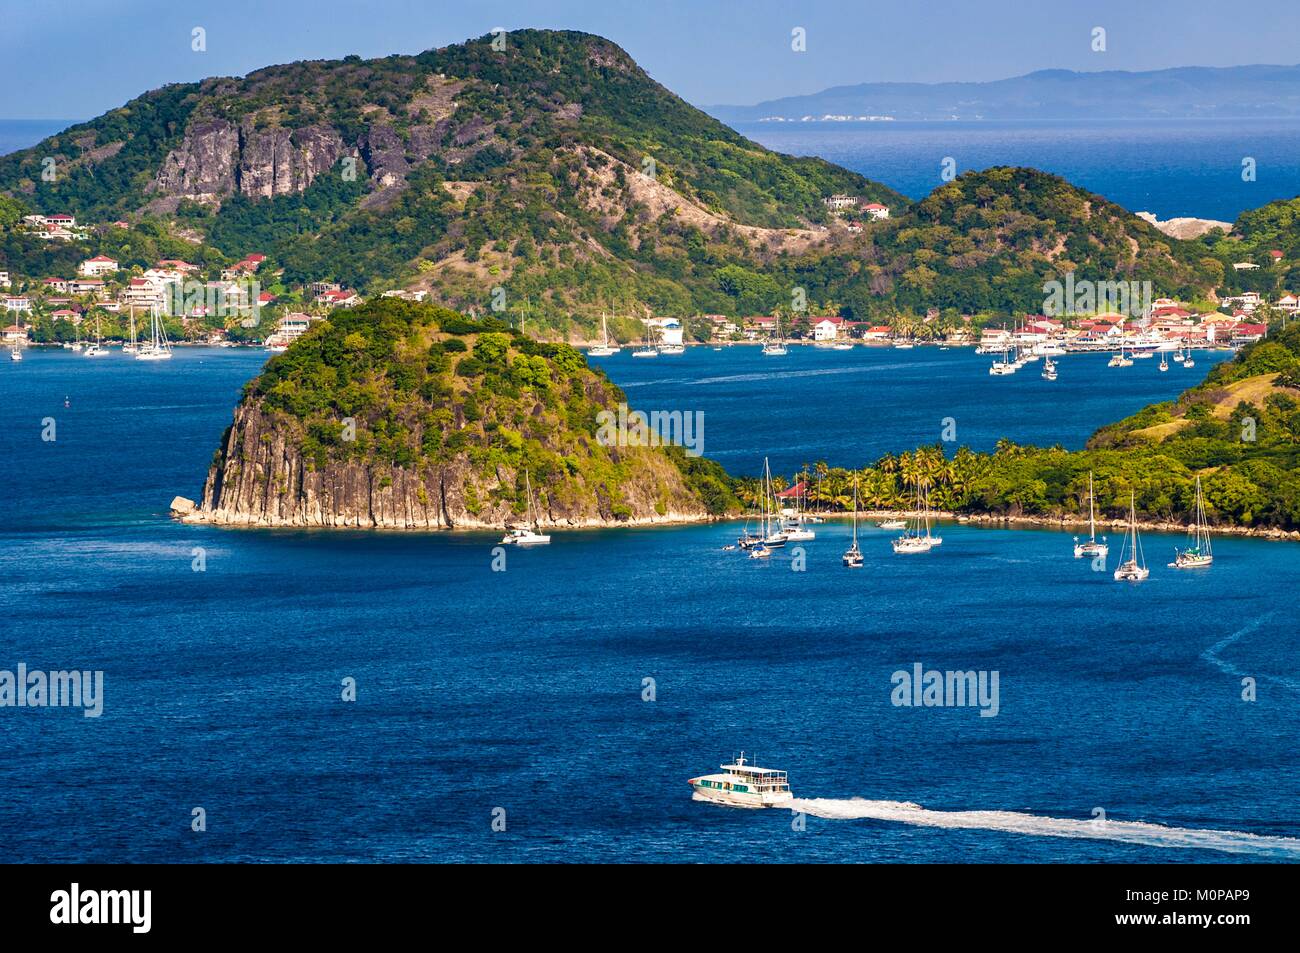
775 345
131 347
795 527
158 348
1164 362
15 352
1134 568
1119 360
1091 548
606 347
530 535
1004 366
918 539
773 536
1197 555
1049 370
853 557
1187 361
96 350
647 349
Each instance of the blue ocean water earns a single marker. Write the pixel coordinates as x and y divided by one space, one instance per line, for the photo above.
523 690
18 134
1172 168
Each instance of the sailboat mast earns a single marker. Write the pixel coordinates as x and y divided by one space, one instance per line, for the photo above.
1092 511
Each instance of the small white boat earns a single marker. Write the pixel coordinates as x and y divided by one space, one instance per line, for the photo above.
904 345
530 535
1188 362
841 346
1119 360
760 551
605 348
646 351
918 539
892 524
158 348
1049 370
672 349
1091 548
277 348
15 353
1132 569
1164 362
1199 554
743 785
853 556
95 350
1005 366
775 349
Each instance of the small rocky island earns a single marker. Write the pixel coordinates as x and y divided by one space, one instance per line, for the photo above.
396 415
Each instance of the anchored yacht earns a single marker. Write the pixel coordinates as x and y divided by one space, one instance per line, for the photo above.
744 785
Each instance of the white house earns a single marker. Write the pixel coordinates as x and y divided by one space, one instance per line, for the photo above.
876 210
670 330
826 329
17 303
1288 302
840 202
99 265
1244 265
4 279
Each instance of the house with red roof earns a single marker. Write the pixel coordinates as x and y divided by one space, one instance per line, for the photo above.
99 265
876 210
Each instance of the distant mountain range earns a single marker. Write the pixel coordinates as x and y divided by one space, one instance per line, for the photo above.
1192 92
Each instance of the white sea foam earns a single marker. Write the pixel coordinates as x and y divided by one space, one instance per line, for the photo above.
1129 832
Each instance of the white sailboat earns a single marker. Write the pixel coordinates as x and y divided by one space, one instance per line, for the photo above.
530 535
1133 569
853 556
1187 361
1004 367
775 345
606 347
1164 362
773 536
15 352
96 349
647 349
918 539
158 348
1119 360
1091 548
1199 554
131 347
795 527
1049 370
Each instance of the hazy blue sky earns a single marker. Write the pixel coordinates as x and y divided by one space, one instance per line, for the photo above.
77 58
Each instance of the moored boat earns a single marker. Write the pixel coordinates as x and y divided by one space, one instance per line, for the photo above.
1199 554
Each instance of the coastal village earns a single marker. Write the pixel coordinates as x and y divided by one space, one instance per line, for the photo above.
229 306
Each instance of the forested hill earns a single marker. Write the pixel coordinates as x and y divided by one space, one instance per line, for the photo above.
549 165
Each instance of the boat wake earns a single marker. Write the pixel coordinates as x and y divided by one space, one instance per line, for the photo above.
1128 832
1211 655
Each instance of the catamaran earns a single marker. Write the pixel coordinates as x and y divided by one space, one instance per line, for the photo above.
1091 548
158 348
743 785
1198 555
1119 360
853 557
918 539
1133 569
606 346
530 535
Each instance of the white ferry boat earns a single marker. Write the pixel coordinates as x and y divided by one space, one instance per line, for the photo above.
744 785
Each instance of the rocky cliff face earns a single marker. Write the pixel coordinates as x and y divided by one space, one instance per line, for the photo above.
260 478
218 158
